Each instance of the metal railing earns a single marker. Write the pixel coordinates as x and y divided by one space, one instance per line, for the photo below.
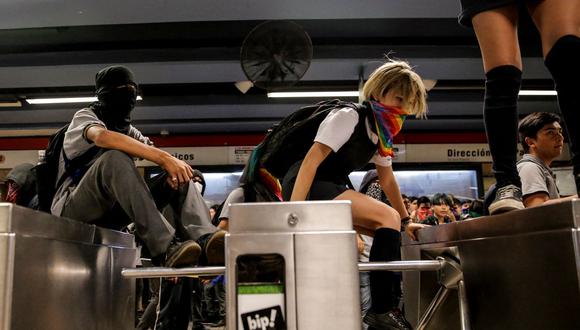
451 270
157 272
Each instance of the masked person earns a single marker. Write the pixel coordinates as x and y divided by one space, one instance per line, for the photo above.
107 190
346 140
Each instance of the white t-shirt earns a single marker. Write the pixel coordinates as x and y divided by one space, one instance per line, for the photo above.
236 196
338 126
75 144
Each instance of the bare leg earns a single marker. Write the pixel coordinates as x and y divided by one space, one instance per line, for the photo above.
369 214
383 222
555 19
496 32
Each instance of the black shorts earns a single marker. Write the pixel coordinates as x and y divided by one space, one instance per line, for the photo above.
322 189
470 8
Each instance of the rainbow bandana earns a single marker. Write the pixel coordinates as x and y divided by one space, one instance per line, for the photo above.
389 121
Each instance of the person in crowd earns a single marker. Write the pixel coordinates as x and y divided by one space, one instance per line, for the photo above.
407 203
474 210
345 141
21 183
465 206
456 207
108 190
212 210
198 181
495 23
423 209
441 204
542 141
412 204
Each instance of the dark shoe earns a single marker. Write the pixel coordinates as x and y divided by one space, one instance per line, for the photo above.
402 318
508 198
215 248
184 254
392 320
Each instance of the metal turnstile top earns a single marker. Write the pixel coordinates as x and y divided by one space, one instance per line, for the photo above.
290 216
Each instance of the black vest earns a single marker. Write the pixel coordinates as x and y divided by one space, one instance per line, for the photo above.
353 155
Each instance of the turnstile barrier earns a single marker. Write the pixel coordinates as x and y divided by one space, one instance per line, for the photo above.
292 266
57 273
520 270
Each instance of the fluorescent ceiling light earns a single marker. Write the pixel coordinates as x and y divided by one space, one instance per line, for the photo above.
355 94
10 104
314 94
538 93
60 100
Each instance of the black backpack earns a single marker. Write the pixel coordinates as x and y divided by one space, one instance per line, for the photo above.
47 170
290 140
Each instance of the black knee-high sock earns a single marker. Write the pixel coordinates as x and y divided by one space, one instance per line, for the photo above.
500 115
386 247
563 61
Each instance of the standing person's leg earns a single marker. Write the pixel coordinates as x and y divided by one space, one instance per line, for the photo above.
383 222
496 32
559 24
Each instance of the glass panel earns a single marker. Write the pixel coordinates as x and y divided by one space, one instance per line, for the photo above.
460 183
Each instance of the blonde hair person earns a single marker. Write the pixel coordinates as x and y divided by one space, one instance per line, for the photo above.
348 139
398 75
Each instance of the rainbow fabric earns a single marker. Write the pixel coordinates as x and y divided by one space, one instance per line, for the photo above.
389 121
257 173
271 182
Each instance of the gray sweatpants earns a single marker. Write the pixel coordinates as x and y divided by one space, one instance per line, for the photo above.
113 193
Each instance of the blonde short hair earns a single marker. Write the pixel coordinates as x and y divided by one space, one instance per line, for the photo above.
398 75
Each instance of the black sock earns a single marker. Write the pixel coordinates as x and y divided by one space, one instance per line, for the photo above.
500 115
563 61
386 247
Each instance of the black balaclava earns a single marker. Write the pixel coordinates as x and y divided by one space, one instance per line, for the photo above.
115 104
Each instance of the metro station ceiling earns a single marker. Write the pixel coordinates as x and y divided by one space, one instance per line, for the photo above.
186 57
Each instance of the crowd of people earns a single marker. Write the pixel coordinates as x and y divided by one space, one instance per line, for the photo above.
176 228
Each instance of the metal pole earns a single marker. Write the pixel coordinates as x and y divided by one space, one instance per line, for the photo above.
409 265
463 310
432 308
154 272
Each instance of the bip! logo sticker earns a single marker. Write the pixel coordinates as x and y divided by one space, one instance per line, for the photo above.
264 319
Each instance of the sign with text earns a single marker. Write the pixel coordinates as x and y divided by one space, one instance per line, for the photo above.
461 153
264 319
239 155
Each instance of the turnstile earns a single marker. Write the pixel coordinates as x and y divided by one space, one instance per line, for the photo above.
56 273
292 266
520 270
